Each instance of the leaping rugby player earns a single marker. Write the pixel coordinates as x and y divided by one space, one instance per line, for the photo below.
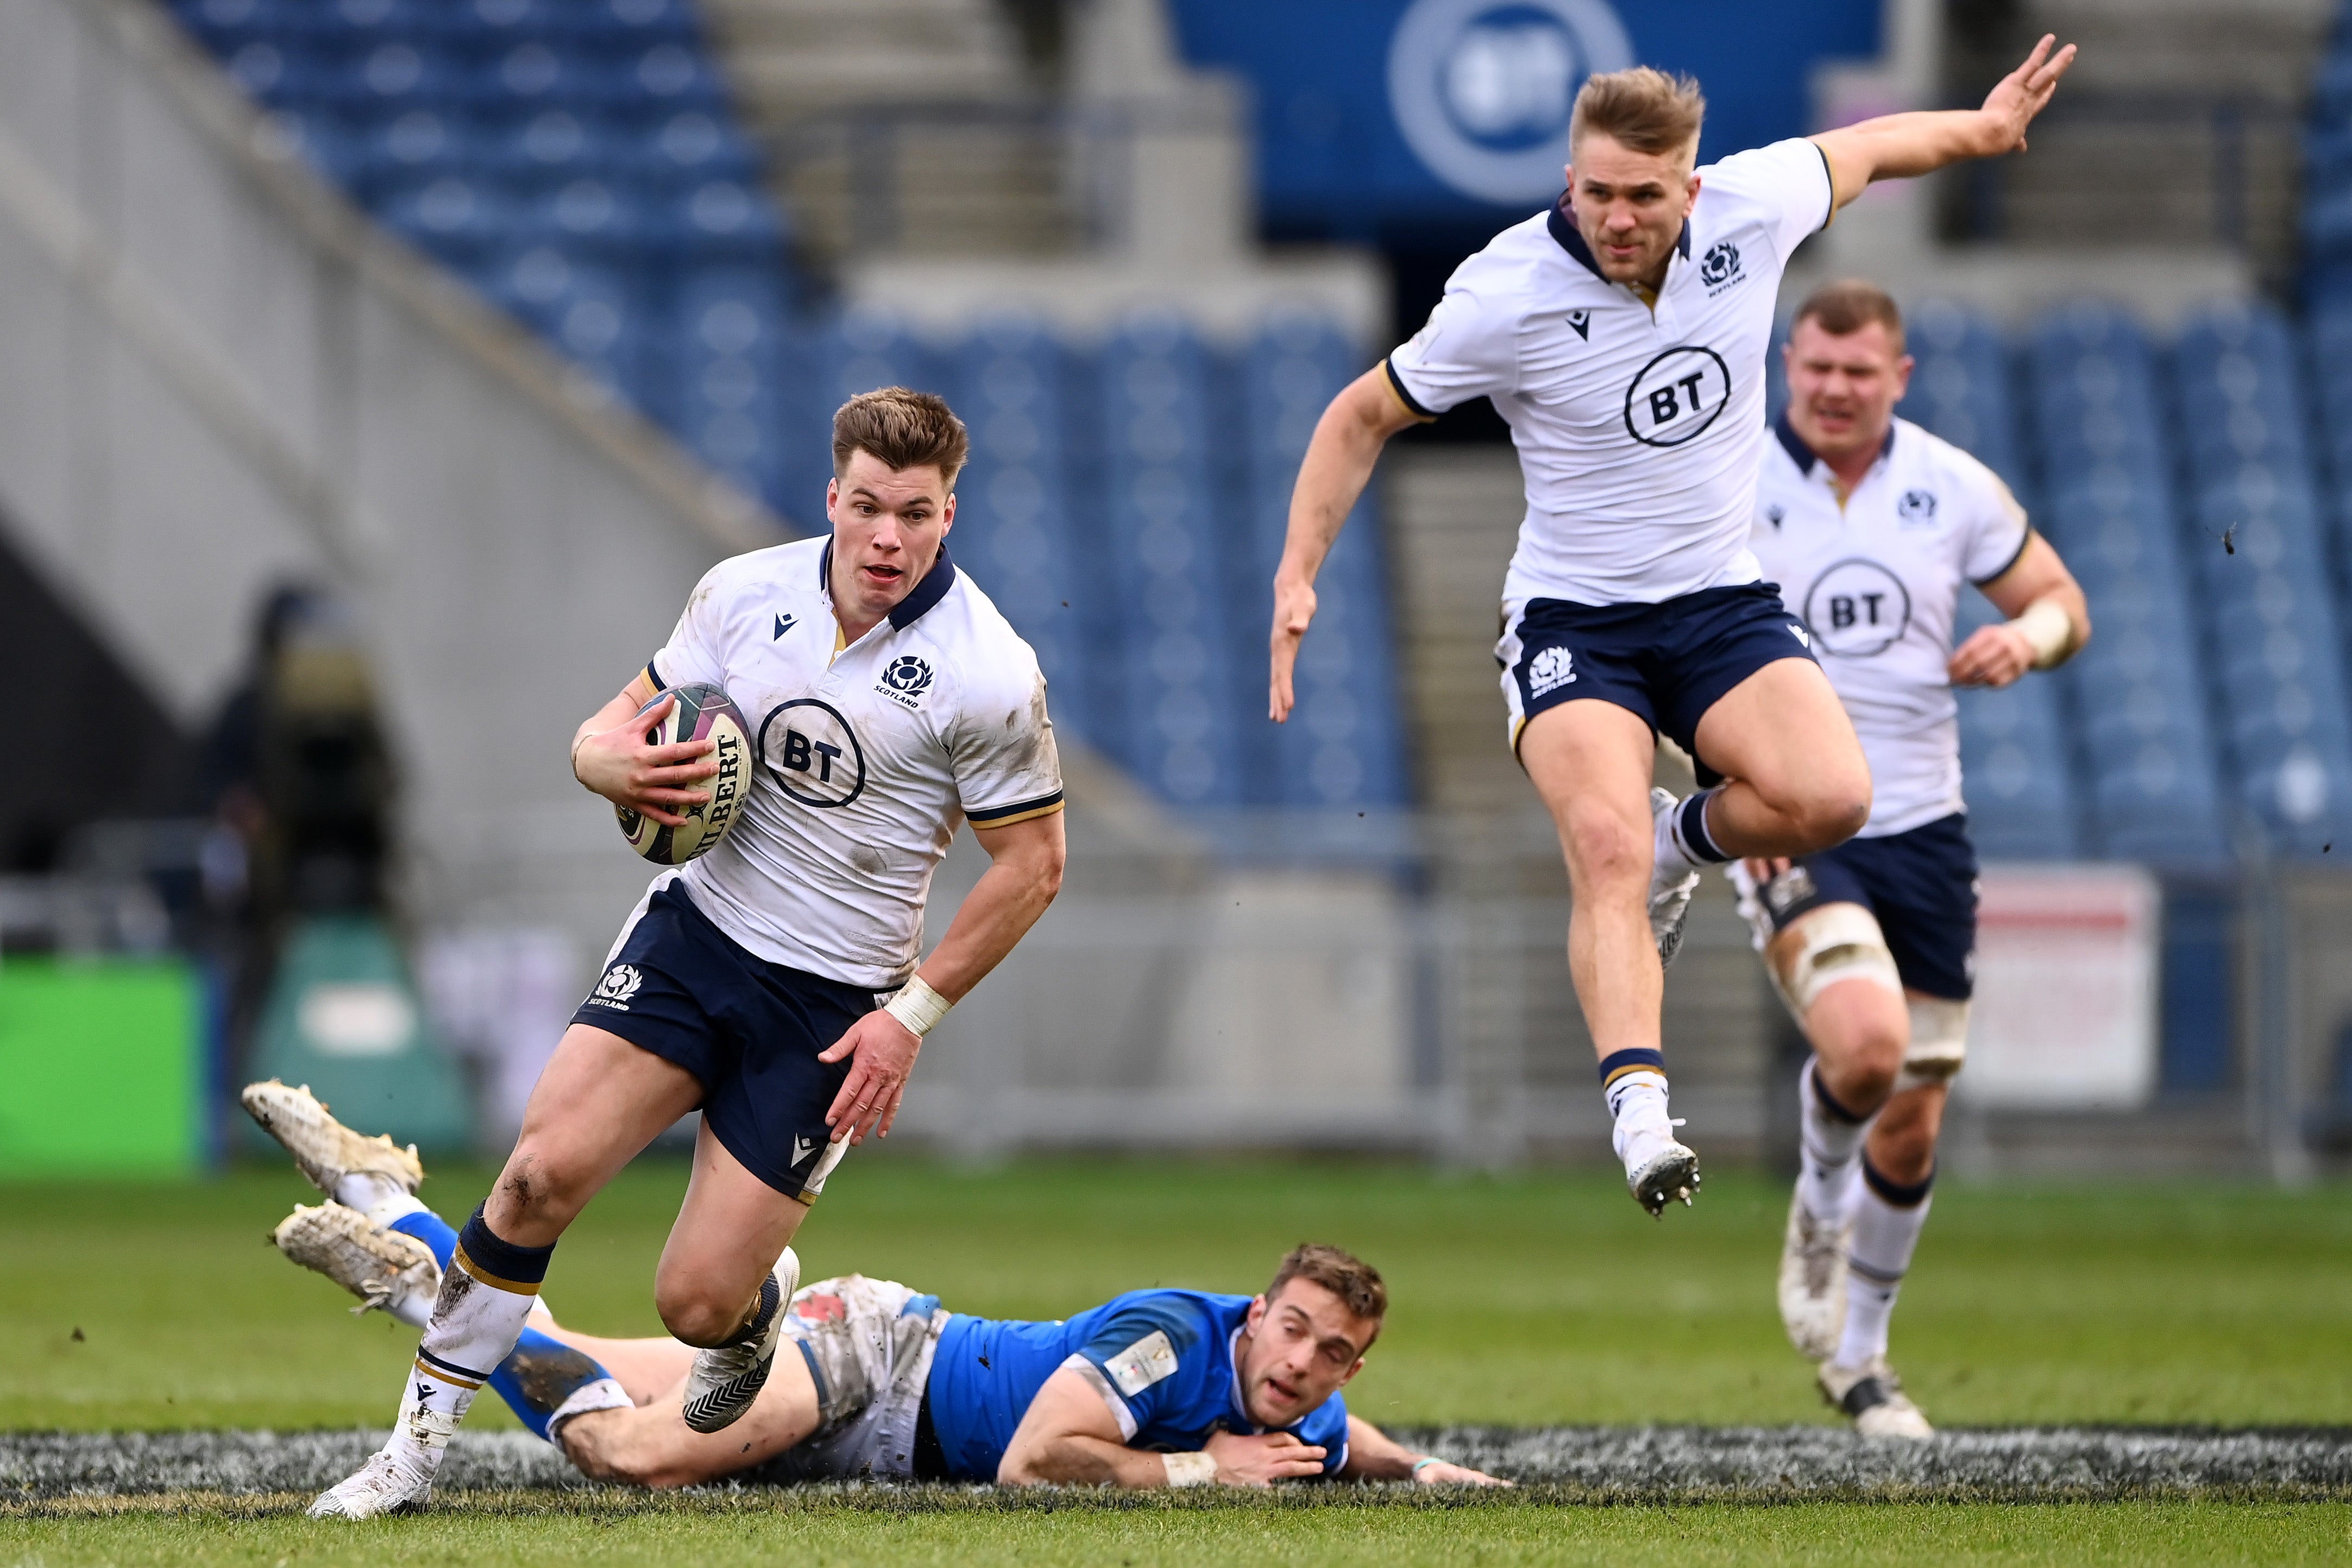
1873 526
772 984
1155 1387
1622 335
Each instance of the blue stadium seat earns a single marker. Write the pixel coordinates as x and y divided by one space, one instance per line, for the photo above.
555 147
2263 575
687 150
1015 530
666 79
2016 772
716 220
1960 388
1343 748
590 218
464 223
625 27
1174 706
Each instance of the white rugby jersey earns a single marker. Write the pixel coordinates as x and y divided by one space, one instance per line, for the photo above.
1638 431
1877 582
866 759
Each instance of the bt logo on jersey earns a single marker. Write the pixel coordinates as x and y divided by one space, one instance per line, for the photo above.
1676 396
813 754
1856 609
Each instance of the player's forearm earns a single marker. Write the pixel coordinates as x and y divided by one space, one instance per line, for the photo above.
1074 1459
1011 895
1904 146
1374 1456
1331 479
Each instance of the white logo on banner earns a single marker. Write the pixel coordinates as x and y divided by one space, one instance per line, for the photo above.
1481 89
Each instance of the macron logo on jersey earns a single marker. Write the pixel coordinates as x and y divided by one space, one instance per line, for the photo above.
783 624
1580 323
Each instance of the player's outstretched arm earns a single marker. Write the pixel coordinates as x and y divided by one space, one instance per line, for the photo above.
1899 146
609 754
1069 1436
1024 872
1339 464
2048 621
1374 1456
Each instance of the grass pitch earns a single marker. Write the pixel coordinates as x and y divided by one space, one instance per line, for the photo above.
1288 1528
1526 1301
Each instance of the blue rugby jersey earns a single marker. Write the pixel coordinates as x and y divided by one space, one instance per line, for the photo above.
1169 1355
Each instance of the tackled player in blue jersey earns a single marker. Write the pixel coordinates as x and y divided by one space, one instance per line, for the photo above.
1155 1387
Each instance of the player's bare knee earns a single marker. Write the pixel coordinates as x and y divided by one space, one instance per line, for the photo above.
1603 853
1904 1150
1829 812
694 1316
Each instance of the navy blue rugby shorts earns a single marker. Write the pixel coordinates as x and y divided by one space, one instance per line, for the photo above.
749 1029
1667 662
1921 884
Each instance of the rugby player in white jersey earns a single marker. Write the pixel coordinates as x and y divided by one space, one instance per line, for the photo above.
774 984
1873 528
1621 334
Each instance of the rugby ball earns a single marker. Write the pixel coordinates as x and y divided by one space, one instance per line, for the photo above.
703 712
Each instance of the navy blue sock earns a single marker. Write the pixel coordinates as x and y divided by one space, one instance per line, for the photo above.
1690 830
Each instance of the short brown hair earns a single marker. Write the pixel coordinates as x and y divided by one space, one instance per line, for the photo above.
1356 1283
900 429
1641 109
1848 305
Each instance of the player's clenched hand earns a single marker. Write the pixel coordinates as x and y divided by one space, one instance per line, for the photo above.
882 1057
1441 1474
1260 1460
617 764
1994 656
1764 868
1294 612
2011 107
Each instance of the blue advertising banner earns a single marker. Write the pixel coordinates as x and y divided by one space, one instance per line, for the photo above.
1376 115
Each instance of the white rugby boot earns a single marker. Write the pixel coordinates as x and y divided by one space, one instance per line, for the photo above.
325 1149
398 1477
1660 1177
389 1271
727 1378
1670 891
1813 1283
1873 1395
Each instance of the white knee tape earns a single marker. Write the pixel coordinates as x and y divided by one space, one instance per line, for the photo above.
1839 942
1940 1042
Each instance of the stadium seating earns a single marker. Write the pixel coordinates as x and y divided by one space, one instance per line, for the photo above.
2262 578
2146 746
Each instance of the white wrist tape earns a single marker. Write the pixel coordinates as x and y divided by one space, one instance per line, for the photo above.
918 1006
2049 630
1190 1469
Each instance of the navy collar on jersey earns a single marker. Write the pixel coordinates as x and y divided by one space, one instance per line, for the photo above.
916 605
1804 456
1564 230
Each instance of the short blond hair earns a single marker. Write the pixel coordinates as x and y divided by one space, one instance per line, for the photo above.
1641 109
901 428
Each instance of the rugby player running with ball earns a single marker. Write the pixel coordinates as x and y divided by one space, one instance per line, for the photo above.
1621 334
772 984
1873 528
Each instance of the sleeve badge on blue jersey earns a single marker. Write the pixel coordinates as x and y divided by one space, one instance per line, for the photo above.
1142 1363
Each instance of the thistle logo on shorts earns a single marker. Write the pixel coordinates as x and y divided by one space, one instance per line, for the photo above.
1857 609
1916 506
813 753
1676 396
906 678
1719 266
1549 670
619 984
